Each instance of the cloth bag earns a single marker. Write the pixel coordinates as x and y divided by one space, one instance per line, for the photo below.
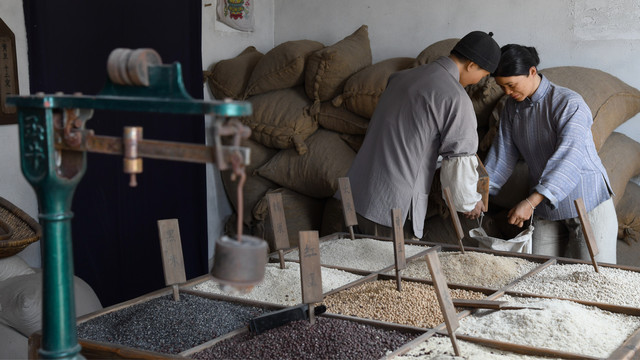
521 243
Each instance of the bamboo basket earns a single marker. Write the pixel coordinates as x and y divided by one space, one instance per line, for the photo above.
17 229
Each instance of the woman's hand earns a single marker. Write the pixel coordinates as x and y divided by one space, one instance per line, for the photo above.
520 213
476 212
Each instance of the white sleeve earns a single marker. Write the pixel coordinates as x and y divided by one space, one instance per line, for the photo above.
460 174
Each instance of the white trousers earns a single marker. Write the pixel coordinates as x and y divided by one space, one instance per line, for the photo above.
565 238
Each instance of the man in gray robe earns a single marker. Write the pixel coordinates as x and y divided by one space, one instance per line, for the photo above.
424 113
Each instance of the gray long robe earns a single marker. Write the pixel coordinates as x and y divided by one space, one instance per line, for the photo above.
423 113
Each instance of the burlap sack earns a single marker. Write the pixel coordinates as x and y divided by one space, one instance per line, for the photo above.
341 120
329 68
436 50
315 173
255 186
611 100
363 89
628 212
281 119
620 155
333 218
229 78
281 67
301 213
354 141
484 97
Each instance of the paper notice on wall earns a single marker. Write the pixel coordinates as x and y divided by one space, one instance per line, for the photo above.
237 14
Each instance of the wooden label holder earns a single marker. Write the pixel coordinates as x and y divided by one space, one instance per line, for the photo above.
172 259
279 225
398 244
310 271
348 207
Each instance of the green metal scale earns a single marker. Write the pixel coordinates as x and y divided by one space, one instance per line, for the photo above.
53 146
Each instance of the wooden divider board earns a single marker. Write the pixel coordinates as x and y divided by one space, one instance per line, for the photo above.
278 222
585 224
444 297
454 217
348 208
171 246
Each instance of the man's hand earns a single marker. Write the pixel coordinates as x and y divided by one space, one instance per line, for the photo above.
476 212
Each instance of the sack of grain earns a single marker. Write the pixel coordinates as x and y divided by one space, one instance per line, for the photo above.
436 50
301 213
281 67
341 120
229 78
628 212
315 173
364 88
484 97
611 100
620 156
281 119
255 186
329 68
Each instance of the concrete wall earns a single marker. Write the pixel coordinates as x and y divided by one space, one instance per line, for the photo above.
13 185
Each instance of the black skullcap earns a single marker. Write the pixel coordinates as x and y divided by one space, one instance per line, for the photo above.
480 48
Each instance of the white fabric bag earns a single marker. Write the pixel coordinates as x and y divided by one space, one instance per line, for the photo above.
521 243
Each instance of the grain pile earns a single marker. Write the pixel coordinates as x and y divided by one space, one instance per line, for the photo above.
361 254
581 282
164 325
415 305
472 268
282 286
440 348
562 325
326 339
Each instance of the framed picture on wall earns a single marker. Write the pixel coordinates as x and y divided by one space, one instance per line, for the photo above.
8 74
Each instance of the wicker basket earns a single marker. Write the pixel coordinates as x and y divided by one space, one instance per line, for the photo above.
17 229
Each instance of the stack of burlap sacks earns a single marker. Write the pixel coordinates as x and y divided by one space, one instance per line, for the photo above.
311 107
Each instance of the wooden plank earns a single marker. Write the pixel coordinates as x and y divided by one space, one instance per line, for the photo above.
310 272
483 184
444 298
585 224
454 217
523 349
171 246
278 222
348 207
629 349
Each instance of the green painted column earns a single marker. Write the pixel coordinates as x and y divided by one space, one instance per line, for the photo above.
54 182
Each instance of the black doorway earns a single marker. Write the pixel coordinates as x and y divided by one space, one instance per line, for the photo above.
115 237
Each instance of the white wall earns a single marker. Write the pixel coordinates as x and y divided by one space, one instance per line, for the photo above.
13 185
601 34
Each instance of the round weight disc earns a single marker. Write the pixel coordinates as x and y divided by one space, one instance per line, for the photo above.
138 65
